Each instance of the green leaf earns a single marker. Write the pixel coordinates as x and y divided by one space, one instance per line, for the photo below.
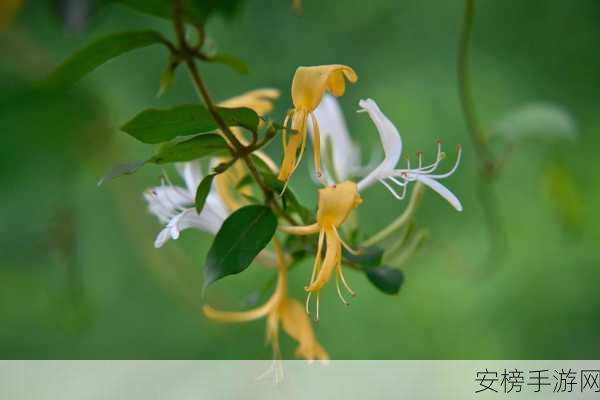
536 121
194 11
155 126
368 257
202 191
231 61
97 53
243 235
167 78
122 169
201 146
386 279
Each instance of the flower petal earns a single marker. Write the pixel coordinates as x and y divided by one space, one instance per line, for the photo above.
310 84
334 130
390 141
440 189
191 172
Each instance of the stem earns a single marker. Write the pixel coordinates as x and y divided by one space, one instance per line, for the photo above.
486 161
239 150
402 220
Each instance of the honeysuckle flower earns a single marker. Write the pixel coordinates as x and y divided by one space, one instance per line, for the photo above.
335 204
261 101
282 310
308 87
174 205
387 173
344 153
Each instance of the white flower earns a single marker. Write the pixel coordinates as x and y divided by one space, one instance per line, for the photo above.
386 172
345 155
174 205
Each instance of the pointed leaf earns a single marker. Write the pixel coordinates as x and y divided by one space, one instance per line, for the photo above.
122 169
243 235
102 50
201 146
202 191
155 126
231 61
386 279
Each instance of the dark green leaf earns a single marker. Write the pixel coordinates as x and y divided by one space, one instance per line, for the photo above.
386 279
368 257
155 126
122 169
202 191
231 61
97 53
201 146
193 11
243 235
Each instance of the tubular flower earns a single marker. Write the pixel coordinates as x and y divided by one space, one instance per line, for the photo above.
308 87
392 147
335 204
261 102
174 205
279 309
339 149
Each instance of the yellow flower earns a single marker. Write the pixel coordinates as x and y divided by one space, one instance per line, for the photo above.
308 87
335 204
279 309
259 100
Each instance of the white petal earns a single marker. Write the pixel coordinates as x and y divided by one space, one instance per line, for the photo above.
191 172
332 127
440 189
388 134
390 141
162 237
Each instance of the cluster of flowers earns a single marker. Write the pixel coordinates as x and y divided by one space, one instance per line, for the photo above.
314 92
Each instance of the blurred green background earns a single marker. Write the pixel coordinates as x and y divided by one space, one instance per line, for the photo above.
80 278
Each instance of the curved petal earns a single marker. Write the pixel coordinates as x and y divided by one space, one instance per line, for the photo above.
259 100
296 323
165 201
310 84
440 189
191 172
390 141
162 238
333 129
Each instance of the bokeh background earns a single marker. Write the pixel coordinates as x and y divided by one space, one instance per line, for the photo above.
80 278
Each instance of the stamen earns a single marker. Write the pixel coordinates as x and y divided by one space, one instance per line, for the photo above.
420 158
318 301
307 304
339 292
391 189
341 275
453 169
284 130
317 148
346 246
